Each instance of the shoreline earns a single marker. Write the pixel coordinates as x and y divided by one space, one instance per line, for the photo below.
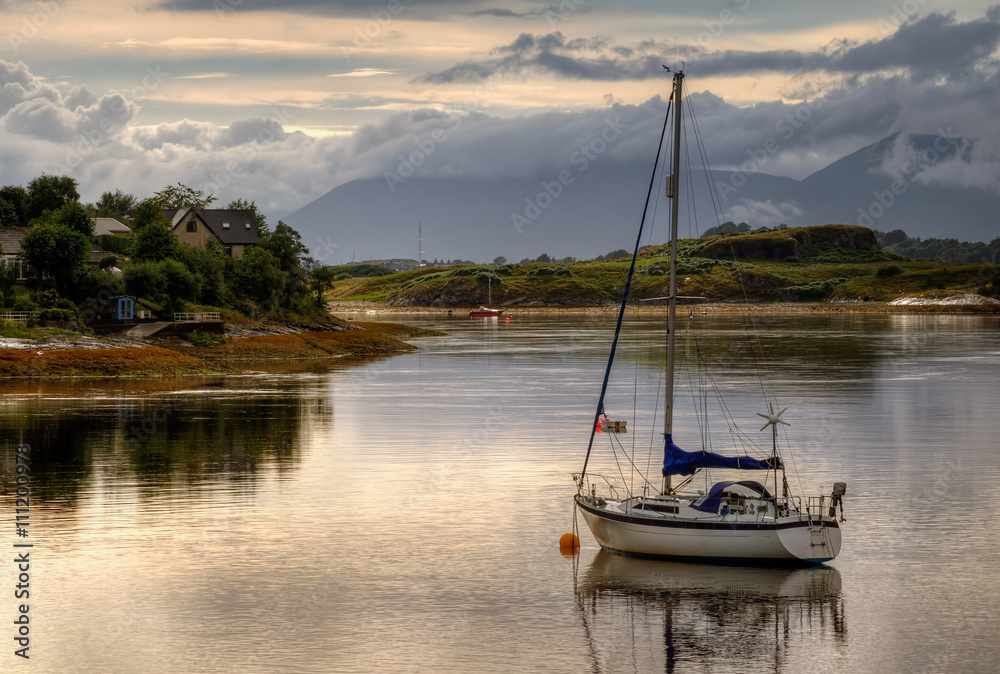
352 309
79 356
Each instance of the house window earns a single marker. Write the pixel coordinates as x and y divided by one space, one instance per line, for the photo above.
248 225
225 225
228 250
192 226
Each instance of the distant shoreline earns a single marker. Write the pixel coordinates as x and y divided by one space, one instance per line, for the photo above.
347 309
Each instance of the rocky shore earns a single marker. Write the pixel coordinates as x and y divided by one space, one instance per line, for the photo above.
73 355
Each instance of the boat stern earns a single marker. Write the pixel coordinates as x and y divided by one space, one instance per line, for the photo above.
817 542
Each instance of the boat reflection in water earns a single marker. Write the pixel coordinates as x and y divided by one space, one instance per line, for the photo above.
652 615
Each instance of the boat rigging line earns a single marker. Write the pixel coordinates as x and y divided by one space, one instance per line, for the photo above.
628 285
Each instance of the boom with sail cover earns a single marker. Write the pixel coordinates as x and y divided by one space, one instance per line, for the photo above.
678 462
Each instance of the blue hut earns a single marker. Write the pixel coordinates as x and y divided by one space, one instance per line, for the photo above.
122 308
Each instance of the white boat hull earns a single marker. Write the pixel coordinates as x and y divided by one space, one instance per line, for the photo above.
789 539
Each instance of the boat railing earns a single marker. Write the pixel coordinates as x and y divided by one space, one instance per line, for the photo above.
611 487
815 506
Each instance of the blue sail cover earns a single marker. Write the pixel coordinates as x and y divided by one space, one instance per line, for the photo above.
678 462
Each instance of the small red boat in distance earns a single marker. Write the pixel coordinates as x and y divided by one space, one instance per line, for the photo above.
484 312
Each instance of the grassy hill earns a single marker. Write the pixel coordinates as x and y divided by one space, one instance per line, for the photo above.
800 264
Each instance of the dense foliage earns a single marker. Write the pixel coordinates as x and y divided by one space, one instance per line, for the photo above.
946 250
273 279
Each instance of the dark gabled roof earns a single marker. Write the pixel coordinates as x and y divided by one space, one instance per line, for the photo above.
10 239
214 219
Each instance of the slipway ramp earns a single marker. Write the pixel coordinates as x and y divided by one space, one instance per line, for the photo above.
147 329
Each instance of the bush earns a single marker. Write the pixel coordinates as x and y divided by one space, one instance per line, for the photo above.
46 299
116 244
362 270
816 290
654 270
63 303
205 339
107 261
693 265
23 304
550 271
887 270
467 271
792 258
56 315
485 277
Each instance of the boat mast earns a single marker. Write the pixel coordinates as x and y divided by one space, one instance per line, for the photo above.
673 185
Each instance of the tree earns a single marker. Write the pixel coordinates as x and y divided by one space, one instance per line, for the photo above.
321 279
75 216
181 196
146 212
544 257
115 204
153 243
258 275
8 214
499 259
8 276
210 266
49 193
56 251
743 228
180 282
16 198
286 245
91 282
144 279
893 237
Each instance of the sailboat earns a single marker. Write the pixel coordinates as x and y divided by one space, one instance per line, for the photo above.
484 311
736 520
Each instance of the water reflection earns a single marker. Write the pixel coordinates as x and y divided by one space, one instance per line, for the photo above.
198 430
650 615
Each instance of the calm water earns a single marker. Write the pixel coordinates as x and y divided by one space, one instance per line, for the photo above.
403 515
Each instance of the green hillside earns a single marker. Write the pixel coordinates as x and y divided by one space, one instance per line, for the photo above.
835 262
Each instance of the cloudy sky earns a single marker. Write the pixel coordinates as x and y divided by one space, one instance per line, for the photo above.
282 101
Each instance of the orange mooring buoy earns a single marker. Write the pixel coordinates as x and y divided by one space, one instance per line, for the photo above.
569 544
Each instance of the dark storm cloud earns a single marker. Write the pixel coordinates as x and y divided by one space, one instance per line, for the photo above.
583 59
928 47
554 13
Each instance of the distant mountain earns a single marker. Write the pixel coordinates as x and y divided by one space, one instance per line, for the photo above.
598 209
